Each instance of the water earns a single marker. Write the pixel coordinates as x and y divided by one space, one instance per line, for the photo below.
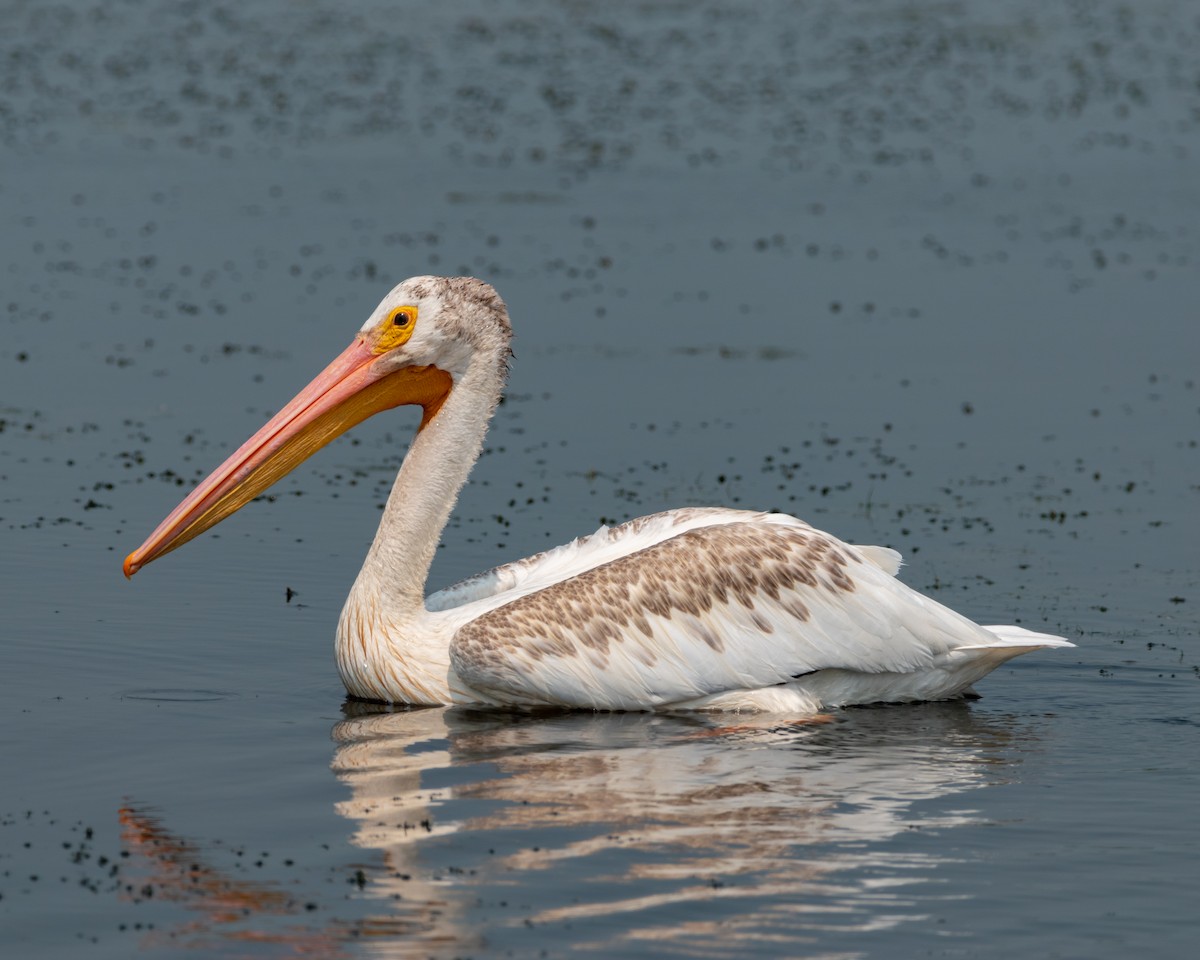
924 275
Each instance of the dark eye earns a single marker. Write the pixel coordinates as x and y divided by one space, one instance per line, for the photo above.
401 319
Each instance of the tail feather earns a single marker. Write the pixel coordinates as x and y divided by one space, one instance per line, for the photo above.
1011 636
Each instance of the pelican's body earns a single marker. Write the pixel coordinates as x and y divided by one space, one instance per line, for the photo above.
697 608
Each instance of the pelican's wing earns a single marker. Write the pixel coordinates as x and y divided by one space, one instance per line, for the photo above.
511 580
726 606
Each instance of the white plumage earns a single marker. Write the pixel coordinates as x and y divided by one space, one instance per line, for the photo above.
698 608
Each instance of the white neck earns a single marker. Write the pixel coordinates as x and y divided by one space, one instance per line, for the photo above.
386 647
437 465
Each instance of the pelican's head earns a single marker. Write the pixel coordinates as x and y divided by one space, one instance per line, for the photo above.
437 321
413 348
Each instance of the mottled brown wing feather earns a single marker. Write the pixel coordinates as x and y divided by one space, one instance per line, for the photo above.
720 607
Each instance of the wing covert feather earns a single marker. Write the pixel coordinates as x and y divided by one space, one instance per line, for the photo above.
738 605
510 580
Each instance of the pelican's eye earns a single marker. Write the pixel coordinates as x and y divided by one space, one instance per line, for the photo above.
396 329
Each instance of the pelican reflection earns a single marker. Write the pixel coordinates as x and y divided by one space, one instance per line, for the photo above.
601 831
650 827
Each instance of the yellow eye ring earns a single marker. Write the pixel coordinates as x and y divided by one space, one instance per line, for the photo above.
396 329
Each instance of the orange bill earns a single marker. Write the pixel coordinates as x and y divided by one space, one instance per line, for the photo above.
344 394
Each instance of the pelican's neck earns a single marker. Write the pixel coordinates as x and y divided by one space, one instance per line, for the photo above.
434 471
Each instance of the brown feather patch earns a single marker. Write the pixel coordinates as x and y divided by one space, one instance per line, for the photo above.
734 564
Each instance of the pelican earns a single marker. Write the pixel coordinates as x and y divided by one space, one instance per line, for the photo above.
700 608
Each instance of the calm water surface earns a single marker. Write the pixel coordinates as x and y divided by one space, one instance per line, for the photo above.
924 275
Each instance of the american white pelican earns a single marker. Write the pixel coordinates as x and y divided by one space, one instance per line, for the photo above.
698 608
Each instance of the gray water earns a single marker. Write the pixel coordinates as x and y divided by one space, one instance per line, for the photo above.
924 275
